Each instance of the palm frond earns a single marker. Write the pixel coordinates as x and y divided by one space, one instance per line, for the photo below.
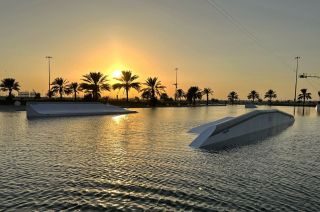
135 85
105 87
118 86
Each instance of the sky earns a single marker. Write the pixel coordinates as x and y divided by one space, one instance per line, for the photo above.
225 45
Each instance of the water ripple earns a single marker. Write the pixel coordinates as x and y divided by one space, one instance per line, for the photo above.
142 162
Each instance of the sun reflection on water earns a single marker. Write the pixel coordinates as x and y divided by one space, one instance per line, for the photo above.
118 119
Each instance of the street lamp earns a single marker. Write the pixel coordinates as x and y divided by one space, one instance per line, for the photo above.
176 84
295 89
49 60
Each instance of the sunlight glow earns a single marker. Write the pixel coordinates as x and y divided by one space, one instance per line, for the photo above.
118 119
116 74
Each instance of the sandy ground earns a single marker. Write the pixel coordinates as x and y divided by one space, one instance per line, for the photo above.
11 108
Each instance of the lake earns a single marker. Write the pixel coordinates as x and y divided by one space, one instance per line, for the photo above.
143 161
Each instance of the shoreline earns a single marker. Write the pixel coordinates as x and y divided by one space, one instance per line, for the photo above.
13 108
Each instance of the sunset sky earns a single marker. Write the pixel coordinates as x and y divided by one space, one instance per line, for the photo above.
251 45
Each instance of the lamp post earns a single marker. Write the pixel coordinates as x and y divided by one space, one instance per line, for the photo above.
49 61
295 88
176 84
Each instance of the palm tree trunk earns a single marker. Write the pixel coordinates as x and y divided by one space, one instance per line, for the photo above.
60 92
75 96
10 93
95 92
153 94
207 99
153 97
127 92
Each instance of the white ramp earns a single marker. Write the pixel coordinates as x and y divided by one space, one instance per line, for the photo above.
61 109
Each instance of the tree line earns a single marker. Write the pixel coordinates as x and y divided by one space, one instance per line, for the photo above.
94 83
270 95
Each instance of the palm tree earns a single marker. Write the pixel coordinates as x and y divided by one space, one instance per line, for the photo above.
180 94
154 88
50 94
94 83
253 95
270 94
164 97
126 81
73 88
304 95
207 92
9 84
36 95
146 95
319 94
194 93
59 85
232 96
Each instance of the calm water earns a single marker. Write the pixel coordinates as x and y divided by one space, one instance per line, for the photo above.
143 161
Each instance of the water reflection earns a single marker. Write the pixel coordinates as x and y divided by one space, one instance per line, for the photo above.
119 118
303 111
143 162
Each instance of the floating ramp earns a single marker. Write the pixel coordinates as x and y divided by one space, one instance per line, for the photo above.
250 105
64 109
235 131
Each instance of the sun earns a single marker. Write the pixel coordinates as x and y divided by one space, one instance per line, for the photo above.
116 74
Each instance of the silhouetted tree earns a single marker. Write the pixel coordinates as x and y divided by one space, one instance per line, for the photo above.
270 94
88 96
253 95
146 95
73 88
319 94
207 92
36 94
59 85
94 83
164 97
194 93
154 88
126 82
50 94
9 84
180 94
232 96
304 95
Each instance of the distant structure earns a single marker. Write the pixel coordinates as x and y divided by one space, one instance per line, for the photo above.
26 94
23 94
305 76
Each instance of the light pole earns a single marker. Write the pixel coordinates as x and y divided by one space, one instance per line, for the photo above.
176 84
295 88
49 60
